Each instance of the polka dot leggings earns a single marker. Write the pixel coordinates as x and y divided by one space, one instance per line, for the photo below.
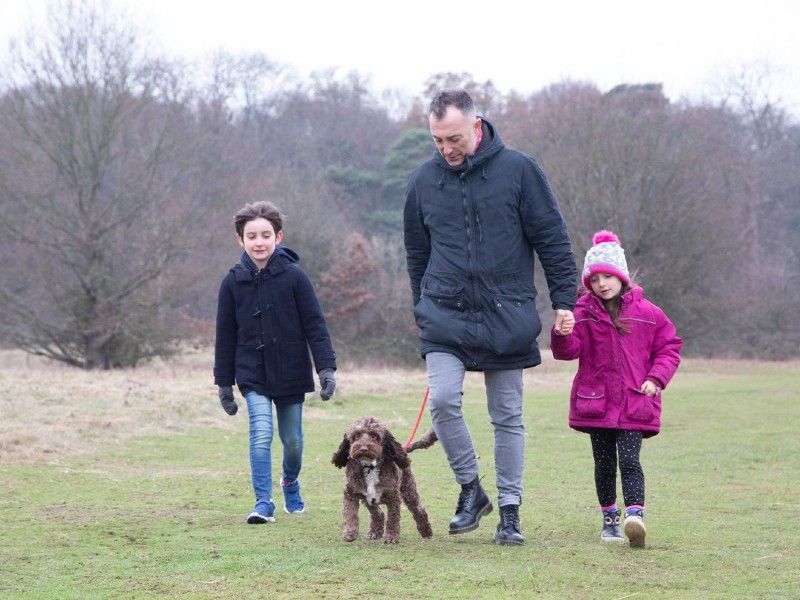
605 443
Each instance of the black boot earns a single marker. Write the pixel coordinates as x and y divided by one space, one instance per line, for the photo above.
611 530
508 530
473 503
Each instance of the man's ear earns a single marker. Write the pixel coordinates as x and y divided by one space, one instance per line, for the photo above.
240 240
279 237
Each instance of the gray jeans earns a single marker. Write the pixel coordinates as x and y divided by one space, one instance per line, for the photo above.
504 399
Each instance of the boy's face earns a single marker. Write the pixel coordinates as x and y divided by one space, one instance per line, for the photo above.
259 240
605 286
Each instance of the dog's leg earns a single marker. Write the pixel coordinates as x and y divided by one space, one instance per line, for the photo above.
392 519
350 515
408 490
376 521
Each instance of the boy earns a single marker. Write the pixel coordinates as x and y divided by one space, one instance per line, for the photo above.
268 317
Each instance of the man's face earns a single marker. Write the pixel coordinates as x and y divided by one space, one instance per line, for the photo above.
455 135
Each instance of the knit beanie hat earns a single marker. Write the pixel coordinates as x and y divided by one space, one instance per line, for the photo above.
605 256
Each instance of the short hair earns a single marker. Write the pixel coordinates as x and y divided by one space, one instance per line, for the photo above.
262 209
458 98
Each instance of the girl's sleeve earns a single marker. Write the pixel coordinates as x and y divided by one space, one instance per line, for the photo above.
566 347
314 325
226 336
665 355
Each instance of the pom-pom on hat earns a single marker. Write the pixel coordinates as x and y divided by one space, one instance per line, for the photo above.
605 256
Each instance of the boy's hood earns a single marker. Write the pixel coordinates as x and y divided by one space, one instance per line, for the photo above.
246 269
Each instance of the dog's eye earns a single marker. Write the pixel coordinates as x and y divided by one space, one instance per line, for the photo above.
374 436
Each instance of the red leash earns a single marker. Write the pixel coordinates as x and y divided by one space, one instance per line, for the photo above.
419 418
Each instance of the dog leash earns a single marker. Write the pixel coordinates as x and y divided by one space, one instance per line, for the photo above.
419 418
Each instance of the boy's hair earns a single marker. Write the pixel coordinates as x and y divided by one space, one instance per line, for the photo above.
262 209
458 98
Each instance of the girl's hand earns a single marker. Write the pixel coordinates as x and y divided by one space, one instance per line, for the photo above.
650 388
565 322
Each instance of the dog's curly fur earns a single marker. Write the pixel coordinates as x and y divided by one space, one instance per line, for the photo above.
377 471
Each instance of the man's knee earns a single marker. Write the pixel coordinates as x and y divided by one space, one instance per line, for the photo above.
445 404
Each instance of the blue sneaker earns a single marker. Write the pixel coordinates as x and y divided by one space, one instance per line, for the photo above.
262 513
292 502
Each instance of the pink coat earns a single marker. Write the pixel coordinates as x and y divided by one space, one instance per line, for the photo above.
612 367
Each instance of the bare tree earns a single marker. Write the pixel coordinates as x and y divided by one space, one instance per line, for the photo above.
669 180
90 177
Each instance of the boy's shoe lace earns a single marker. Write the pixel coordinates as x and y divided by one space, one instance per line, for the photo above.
292 502
263 512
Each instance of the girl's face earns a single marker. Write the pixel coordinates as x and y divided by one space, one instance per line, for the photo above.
259 240
605 286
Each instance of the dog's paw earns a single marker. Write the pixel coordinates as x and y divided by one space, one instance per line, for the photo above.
392 539
349 536
374 535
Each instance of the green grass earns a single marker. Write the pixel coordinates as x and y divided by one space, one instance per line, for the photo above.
162 515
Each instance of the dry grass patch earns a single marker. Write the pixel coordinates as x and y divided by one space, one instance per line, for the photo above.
49 410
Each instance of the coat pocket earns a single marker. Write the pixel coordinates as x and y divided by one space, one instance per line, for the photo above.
513 325
590 401
439 315
294 361
638 406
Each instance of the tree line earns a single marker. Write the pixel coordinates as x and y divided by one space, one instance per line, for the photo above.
120 172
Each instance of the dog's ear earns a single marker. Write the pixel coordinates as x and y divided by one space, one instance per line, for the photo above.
392 450
342 455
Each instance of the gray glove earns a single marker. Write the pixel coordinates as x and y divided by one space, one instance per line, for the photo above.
327 383
226 399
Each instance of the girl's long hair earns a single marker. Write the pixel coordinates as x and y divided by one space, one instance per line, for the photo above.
612 306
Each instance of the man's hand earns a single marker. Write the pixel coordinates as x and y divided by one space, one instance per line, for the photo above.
565 322
226 399
327 383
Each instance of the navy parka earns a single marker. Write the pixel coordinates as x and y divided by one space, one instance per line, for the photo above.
470 235
266 322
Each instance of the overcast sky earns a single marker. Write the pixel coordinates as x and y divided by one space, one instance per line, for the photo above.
688 45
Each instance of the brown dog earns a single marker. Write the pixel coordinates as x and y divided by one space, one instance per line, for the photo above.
377 471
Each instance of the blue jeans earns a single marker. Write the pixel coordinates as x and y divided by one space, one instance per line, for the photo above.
290 430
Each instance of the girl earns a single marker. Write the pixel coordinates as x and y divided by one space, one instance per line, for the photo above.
627 351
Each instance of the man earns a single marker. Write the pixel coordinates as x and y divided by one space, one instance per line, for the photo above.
474 215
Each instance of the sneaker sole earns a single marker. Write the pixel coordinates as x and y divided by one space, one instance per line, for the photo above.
257 519
293 512
611 540
635 530
489 508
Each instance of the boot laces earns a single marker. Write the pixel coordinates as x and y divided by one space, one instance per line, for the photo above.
465 498
509 517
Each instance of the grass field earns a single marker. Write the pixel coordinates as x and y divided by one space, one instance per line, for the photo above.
135 484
